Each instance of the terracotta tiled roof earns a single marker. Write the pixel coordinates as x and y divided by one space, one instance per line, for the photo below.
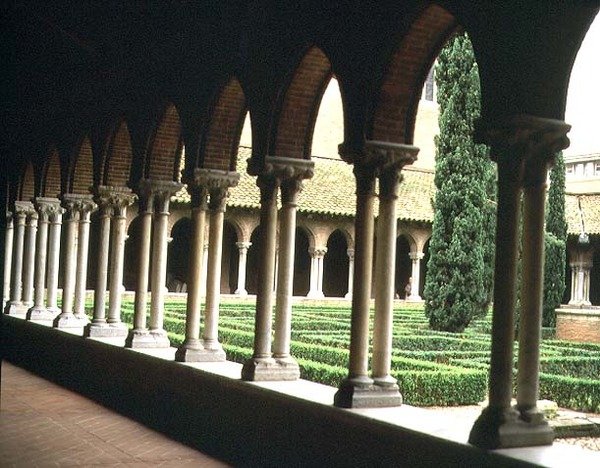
583 207
331 191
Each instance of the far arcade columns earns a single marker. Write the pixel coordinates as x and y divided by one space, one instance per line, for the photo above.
276 363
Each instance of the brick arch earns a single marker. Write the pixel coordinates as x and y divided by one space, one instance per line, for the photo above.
82 175
27 184
166 147
51 181
397 99
293 129
118 159
220 145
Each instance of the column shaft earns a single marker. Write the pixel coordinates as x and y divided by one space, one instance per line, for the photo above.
29 258
119 233
350 273
66 317
159 264
17 259
102 267
53 262
82 260
242 262
141 292
38 311
8 250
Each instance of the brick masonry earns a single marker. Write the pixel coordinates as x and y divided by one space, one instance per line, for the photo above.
578 325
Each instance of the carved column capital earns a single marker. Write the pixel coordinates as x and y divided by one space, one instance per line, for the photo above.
114 199
416 255
350 253
157 194
535 141
243 246
199 196
268 185
389 159
317 252
217 183
25 210
47 208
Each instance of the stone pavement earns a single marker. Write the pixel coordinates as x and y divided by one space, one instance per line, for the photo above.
42 424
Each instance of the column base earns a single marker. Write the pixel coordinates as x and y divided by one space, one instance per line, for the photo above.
415 298
506 428
68 320
83 317
147 339
105 330
15 309
40 313
315 295
270 369
191 354
242 293
363 392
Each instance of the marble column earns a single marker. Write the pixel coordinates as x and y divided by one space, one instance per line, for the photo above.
46 208
317 255
522 147
15 305
29 257
162 192
122 198
204 265
191 349
54 234
261 361
416 258
350 253
218 183
392 159
8 247
358 386
139 336
66 318
86 208
291 173
98 323
242 262
581 266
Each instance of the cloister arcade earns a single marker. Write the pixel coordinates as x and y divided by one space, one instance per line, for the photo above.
113 125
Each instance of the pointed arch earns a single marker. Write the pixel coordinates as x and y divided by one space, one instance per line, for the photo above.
220 145
166 147
397 99
51 180
117 166
293 129
82 175
27 183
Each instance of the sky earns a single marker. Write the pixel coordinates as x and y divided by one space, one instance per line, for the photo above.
583 99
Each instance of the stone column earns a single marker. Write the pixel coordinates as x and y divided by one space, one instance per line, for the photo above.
66 319
46 208
191 349
581 265
522 147
14 306
162 192
8 247
204 266
53 261
139 336
243 258
355 390
261 361
350 253
29 257
416 258
98 323
291 173
392 158
85 210
121 200
317 254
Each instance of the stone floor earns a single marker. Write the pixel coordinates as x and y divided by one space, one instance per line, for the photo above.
42 424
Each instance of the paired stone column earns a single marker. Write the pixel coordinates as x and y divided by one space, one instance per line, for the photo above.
393 158
191 349
242 262
523 147
54 235
29 257
317 255
350 253
265 364
416 258
138 336
581 265
66 319
155 337
385 161
113 203
8 248
86 207
15 305
47 209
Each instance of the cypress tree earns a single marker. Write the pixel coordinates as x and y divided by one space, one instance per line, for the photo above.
459 277
555 243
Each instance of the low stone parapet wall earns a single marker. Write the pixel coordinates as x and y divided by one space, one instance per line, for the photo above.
578 324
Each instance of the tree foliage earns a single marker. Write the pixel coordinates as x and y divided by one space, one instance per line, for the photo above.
459 276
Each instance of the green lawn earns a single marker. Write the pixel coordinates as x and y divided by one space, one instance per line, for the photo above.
432 368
